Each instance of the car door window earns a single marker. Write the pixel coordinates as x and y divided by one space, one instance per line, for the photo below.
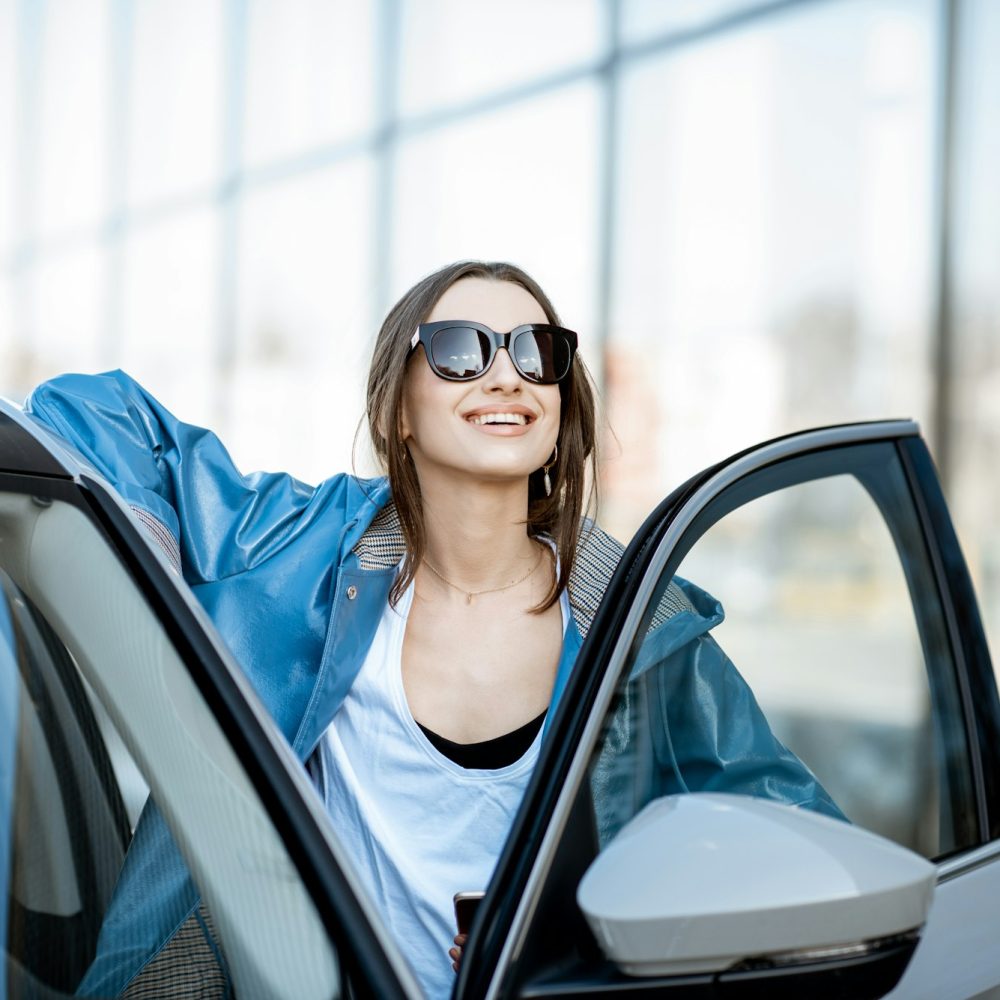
819 622
788 640
69 827
821 596
101 705
817 583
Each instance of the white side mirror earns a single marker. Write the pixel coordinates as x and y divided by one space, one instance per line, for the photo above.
701 882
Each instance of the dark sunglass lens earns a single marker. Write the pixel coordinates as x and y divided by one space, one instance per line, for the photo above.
542 356
562 355
459 352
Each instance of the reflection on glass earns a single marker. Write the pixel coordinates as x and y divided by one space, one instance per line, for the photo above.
169 312
66 314
11 100
793 616
310 79
175 121
642 19
454 52
73 115
304 328
773 246
819 622
12 383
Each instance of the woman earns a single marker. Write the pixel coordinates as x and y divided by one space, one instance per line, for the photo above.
409 633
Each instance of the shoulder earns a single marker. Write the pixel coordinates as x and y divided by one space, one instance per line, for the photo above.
74 401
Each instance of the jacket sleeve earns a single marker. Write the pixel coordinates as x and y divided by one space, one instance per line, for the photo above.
686 721
180 474
710 735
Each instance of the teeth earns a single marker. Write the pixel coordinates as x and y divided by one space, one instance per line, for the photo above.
499 418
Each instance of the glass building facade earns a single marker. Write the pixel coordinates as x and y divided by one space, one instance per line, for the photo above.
759 216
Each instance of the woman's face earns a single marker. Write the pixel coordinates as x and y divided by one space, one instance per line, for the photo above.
442 421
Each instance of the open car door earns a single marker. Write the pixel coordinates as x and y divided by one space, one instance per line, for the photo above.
832 601
116 692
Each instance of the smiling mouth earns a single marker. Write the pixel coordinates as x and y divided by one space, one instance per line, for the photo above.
484 419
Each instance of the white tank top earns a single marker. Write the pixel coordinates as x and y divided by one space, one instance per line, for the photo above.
419 826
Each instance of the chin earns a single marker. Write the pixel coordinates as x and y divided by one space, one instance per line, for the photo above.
498 473
487 464
484 469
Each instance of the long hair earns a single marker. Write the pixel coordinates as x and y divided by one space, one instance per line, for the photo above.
573 476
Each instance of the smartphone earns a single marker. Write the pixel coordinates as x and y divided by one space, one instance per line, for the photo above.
465 909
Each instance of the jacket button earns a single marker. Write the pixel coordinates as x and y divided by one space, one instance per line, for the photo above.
352 592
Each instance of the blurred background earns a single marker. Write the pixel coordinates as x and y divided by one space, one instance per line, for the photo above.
759 216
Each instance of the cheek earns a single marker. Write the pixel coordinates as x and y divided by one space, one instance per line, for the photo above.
414 398
553 404
427 404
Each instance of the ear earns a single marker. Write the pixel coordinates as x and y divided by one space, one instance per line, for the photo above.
403 422
384 423
403 428
381 429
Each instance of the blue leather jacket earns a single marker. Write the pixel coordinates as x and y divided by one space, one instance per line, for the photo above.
296 578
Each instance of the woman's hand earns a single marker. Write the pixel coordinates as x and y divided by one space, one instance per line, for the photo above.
455 954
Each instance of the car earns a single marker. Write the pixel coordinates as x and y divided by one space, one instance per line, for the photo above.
848 608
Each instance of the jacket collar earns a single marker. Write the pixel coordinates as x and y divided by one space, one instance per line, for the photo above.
381 546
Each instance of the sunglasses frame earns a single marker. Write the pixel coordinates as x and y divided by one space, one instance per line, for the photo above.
424 334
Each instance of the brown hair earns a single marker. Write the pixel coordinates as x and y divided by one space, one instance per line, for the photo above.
558 516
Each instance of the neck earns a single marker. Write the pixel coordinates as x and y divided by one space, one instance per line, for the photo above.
476 535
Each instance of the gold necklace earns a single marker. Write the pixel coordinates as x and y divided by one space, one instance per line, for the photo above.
469 594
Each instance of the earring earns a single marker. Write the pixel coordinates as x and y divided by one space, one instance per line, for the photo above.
545 470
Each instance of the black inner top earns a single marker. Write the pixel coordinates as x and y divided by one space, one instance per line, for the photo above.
489 754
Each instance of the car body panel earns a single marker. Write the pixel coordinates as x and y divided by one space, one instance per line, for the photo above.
958 954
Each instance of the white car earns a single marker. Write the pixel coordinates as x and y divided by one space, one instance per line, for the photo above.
849 610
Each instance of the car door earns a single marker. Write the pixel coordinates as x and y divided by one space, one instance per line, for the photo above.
840 610
116 697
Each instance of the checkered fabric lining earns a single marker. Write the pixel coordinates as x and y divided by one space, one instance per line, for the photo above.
673 602
382 545
186 968
597 555
160 534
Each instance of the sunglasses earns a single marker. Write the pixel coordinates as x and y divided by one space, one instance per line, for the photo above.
459 351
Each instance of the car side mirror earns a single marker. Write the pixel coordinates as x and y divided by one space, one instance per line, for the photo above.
730 886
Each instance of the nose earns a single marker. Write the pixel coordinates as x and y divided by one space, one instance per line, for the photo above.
502 375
